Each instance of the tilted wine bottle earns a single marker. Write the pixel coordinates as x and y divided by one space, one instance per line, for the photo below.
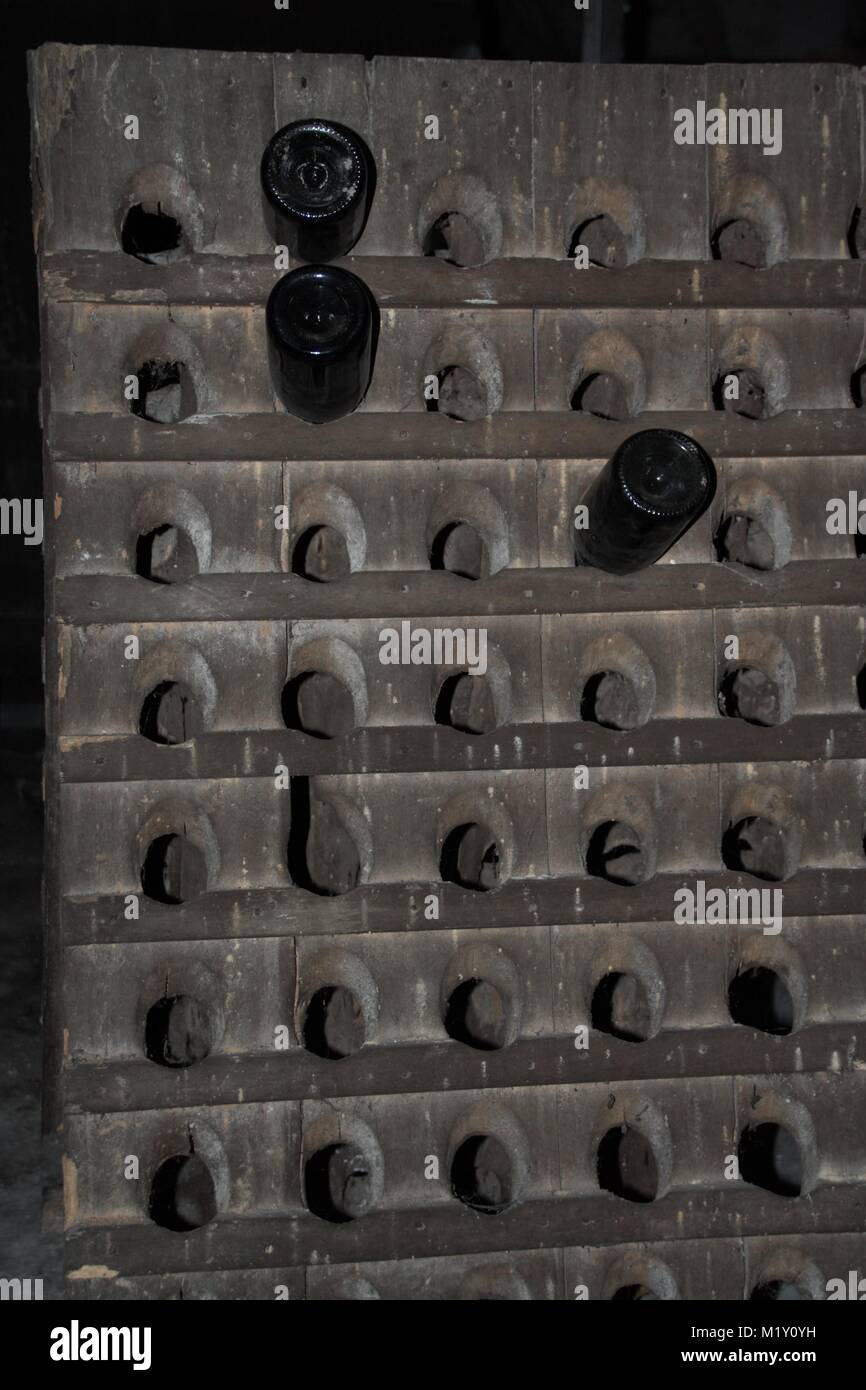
316 177
653 488
320 323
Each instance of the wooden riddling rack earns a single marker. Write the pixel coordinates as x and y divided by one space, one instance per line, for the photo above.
532 152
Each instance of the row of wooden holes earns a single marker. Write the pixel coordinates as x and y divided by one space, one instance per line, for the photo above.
167 395
180 1030
319 704
167 555
454 236
338 1187
174 870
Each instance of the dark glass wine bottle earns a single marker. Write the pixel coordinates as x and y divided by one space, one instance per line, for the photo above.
316 177
320 337
653 488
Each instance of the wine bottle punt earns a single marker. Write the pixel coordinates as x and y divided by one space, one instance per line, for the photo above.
315 175
320 336
652 490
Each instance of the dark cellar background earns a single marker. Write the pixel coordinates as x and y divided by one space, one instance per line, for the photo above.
656 31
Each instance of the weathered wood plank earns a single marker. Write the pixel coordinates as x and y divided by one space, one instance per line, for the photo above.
678 742
83 599
369 435
103 1088
400 907
99 277
266 1242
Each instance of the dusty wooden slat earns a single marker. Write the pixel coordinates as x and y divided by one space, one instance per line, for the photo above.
266 1242
100 277
717 1270
400 907
437 749
369 435
83 599
103 1088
